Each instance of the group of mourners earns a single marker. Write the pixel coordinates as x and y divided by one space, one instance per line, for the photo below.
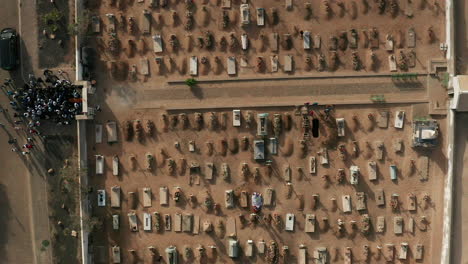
48 98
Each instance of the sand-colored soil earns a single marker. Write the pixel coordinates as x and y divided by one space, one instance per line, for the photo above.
175 62
305 185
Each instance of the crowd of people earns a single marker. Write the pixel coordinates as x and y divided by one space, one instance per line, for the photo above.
45 98
48 98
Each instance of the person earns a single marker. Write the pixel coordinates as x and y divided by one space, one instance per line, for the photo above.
28 146
13 149
24 153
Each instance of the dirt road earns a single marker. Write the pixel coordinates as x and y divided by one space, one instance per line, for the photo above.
23 197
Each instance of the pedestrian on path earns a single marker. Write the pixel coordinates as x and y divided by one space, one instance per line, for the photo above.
13 149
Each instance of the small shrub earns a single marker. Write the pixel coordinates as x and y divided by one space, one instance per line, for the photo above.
191 82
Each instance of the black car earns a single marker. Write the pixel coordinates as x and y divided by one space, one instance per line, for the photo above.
8 49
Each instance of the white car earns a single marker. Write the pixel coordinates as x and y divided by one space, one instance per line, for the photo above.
101 195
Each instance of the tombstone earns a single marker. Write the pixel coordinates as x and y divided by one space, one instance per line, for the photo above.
193 63
379 148
260 17
398 145
424 168
380 226
372 170
361 201
167 222
389 253
418 254
317 41
346 200
389 43
306 40
398 225
229 198
146 193
146 22
268 198
231 227
163 196
288 63
98 129
382 119
287 173
411 38
144 67
321 255
312 165
231 65
274 63
410 225
392 63
324 156
302 258
132 222
196 225
310 223
244 199
261 247
274 42
412 202
226 4
399 119
187 222
403 251
289 222
379 197
116 254
96 24
249 248
146 221
209 173
178 222
115 197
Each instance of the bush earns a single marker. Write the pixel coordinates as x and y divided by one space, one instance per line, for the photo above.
191 82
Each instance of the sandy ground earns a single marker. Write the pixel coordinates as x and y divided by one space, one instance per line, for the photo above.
174 64
148 96
135 180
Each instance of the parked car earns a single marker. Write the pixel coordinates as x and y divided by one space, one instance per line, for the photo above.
9 58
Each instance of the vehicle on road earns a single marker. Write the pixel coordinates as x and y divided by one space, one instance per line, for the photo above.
8 49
